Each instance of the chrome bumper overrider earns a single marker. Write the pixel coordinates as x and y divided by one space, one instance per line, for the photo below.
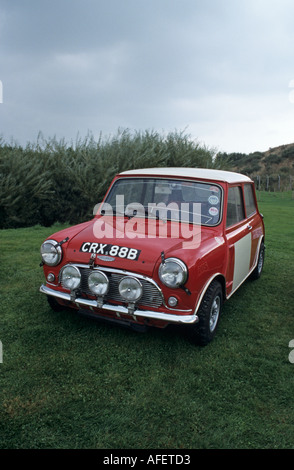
120 309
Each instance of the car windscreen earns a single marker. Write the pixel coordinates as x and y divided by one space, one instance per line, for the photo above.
166 199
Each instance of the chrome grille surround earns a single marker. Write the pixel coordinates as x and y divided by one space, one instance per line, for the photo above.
152 294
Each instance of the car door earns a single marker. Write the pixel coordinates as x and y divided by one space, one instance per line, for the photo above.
239 239
253 221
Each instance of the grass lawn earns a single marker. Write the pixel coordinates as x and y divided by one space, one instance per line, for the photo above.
69 382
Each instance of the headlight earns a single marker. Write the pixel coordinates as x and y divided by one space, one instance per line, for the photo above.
98 283
51 253
130 289
173 272
70 277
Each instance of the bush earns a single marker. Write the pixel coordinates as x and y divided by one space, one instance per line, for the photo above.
273 159
51 181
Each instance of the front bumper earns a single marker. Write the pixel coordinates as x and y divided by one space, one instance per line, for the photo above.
120 309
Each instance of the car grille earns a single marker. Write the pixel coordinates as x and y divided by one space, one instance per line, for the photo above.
151 294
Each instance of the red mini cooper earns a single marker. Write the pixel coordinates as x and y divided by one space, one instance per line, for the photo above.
167 245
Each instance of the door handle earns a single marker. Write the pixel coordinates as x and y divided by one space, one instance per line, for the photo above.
249 227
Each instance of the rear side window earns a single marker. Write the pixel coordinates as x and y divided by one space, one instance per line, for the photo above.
249 200
235 209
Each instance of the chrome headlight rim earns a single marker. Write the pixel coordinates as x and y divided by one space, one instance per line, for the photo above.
135 282
104 277
58 250
183 272
64 282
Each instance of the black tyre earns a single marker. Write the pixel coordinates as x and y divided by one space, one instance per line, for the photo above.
209 313
258 270
54 304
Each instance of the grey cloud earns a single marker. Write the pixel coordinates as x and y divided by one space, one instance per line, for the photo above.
72 65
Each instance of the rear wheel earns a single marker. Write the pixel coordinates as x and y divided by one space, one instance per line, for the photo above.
258 270
209 313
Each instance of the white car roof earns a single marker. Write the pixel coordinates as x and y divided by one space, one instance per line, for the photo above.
202 173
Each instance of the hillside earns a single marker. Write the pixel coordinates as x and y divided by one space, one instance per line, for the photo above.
275 166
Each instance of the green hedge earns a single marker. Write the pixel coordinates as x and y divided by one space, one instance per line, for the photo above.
51 181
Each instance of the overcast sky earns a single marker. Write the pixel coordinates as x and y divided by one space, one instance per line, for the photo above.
220 70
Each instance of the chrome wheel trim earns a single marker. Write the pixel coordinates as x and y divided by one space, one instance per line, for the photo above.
260 261
214 313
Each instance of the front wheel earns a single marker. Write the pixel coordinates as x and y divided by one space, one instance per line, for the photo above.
54 304
209 313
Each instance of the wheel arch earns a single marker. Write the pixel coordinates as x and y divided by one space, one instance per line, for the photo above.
221 279
216 277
